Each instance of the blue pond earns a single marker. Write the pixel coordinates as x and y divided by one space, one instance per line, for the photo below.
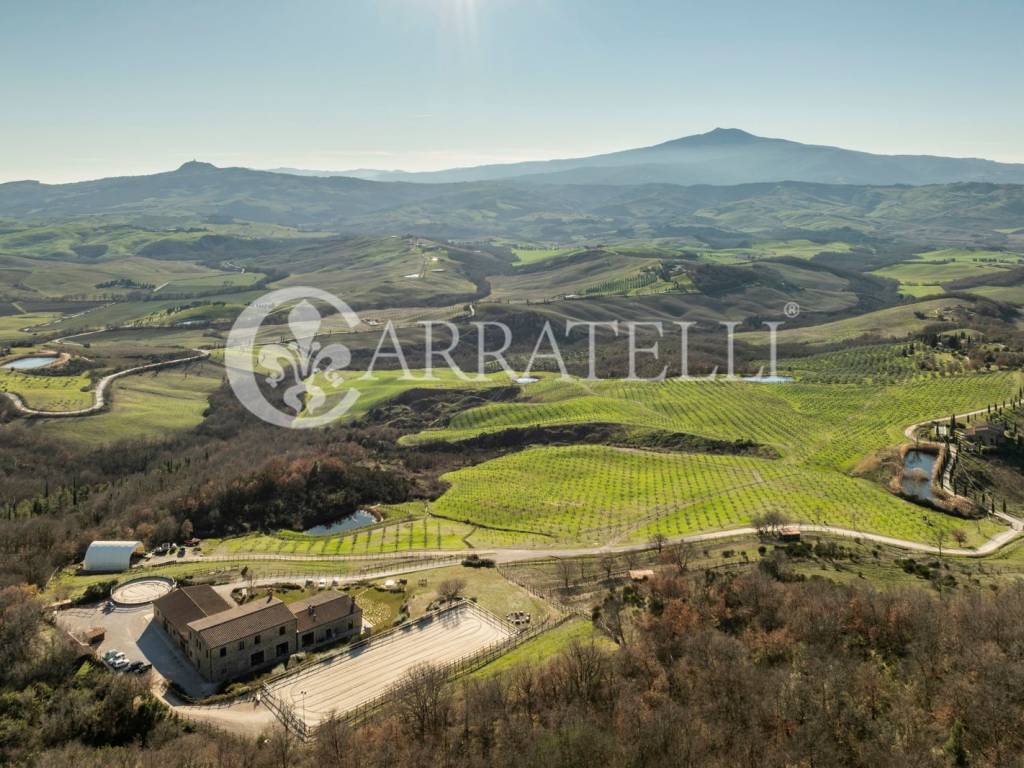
769 379
28 363
357 519
917 474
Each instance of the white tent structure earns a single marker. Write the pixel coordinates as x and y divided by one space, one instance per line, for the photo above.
110 556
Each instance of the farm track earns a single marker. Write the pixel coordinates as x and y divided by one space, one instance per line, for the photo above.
100 393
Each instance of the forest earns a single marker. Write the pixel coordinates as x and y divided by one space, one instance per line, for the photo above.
753 668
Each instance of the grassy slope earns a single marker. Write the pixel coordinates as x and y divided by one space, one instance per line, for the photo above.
546 645
147 406
895 323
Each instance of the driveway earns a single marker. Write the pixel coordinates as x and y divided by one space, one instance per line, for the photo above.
131 630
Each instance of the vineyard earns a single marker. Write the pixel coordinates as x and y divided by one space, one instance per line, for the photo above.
593 495
849 405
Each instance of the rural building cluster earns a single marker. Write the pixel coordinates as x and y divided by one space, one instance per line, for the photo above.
225 641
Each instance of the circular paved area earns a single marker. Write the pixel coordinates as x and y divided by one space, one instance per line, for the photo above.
141 591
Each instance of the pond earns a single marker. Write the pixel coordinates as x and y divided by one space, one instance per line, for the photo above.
770 379
527 380
28 363
917 474
357 519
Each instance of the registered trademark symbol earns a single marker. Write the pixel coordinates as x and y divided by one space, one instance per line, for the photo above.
791 310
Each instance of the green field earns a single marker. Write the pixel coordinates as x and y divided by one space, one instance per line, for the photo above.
533 255
893 323
48 393
25 326
145 406
798 249
927 272
546 645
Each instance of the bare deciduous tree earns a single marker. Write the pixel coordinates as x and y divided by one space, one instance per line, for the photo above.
423 700
566 572
450 589
679 555
334 746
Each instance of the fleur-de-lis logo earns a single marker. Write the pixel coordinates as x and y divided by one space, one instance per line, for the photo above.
306 359
308 370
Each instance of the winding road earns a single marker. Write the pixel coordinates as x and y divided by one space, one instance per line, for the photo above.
100 393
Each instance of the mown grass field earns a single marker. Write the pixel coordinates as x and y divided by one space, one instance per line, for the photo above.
799 249
48 393
546 645
892 323
21 327
145 406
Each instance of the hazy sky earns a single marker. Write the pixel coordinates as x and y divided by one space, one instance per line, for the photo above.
94 89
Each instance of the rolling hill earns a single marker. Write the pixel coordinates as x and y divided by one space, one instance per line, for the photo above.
983 214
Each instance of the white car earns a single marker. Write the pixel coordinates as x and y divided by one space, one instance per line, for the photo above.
111 654
322 584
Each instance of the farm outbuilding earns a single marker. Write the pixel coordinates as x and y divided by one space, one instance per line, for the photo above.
110 556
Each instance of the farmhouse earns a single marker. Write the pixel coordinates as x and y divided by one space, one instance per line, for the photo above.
174 611
224 641
326 617
988 435
242 639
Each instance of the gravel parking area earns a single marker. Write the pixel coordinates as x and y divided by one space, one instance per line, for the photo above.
131 630
343 682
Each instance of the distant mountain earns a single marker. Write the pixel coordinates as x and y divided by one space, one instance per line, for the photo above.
722 156
972 213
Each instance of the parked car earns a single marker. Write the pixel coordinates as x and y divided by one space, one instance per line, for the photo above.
144 666
335 581
322 584
193 542
181 551
111 653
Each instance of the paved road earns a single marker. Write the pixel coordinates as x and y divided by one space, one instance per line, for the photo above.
100 394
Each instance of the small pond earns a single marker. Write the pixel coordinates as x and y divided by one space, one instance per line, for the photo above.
527 380
357 519
28 363
769 379
917 474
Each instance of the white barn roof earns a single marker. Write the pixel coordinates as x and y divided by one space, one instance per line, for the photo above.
110 555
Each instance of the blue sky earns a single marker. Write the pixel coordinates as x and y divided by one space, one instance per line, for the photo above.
95 89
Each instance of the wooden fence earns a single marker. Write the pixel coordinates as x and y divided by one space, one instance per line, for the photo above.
451 669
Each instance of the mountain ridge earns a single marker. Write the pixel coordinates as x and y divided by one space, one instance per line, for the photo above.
723 156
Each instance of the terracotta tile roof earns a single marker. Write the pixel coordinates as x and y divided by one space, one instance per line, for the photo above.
242 621
321 608
184 605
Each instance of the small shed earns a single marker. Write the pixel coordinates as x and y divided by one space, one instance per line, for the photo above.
789 533
641 574
110 556
94 635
